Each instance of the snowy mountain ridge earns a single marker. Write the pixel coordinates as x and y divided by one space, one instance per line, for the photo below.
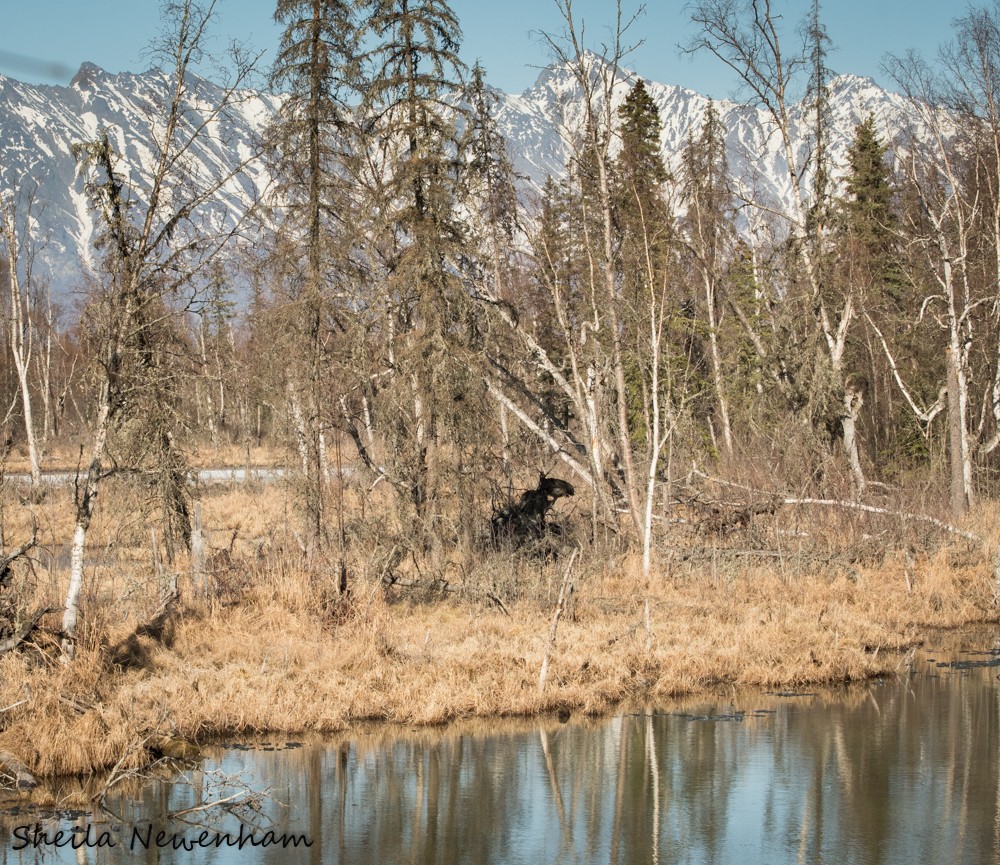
532 122
40 124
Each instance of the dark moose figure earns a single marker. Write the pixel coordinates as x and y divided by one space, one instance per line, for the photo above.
525 521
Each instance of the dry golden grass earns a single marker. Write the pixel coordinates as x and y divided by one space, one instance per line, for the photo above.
269 650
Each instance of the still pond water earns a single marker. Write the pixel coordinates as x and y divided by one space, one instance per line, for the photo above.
903 770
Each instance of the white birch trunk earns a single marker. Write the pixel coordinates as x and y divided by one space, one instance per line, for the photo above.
209 407
45 375
324 463
718 380
85 501
299 425
849 424
19 333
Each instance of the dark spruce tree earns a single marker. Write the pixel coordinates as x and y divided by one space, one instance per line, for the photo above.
425 329
708 243
867 210
309 146
818 45
641 212
868 232
644 228
640 162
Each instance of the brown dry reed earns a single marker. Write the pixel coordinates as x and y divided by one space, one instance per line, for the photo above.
272 648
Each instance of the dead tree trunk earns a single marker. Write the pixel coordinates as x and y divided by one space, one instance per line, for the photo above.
20 332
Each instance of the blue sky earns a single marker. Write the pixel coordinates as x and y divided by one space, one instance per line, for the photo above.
112 34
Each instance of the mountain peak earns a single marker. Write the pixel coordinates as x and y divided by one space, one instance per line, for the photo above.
593 63
88 74
850 84
39 125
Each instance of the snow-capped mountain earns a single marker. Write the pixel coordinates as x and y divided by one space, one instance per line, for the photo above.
540 124
40 124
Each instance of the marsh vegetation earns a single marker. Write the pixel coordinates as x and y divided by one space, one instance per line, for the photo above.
646 434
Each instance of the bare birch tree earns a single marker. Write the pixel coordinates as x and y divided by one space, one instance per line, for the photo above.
15 236
745 35
597 92
154 248
971 72
944 174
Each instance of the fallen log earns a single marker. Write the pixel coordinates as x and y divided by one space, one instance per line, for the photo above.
22 633
10 765
848 505
13 556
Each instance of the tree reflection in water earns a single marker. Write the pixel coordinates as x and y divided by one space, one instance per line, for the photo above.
900 771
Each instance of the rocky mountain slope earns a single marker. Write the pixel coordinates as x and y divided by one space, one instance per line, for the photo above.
39 125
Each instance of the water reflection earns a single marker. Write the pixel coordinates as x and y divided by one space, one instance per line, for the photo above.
231 475
900 771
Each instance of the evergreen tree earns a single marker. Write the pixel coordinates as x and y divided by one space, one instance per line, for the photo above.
316 66
818 100
867 250
643 227
867 211
640 210
708 237
868 225
640 163
414 68
416 187
308 142
490 181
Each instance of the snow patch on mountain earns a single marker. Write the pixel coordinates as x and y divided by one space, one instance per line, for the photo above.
40 124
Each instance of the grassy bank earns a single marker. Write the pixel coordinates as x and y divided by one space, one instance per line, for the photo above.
270 650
